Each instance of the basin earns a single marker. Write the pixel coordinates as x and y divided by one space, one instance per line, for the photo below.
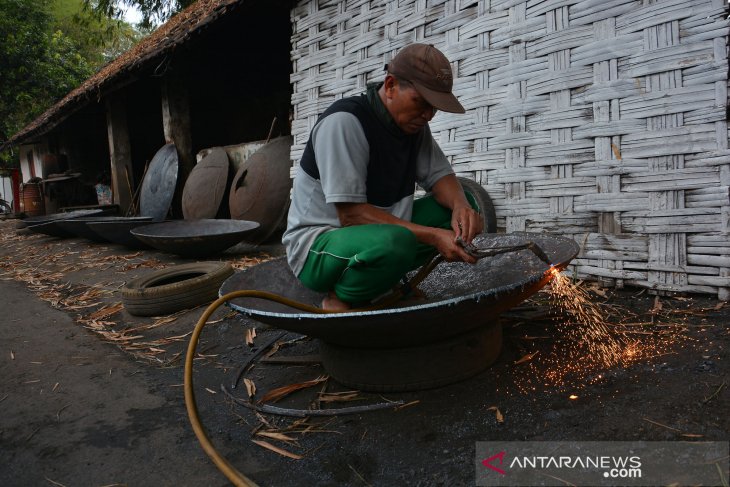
117 230
48 224
79 227
454 325
194 238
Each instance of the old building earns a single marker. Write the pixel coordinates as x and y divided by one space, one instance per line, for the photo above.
605 121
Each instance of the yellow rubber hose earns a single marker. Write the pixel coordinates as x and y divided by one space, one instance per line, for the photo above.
237 478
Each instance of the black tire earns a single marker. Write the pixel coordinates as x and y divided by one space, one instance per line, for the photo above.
414 368
175 288
486 207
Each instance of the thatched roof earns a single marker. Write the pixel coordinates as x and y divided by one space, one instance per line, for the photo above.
178 30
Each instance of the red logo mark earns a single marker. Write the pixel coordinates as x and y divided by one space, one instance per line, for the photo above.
487 462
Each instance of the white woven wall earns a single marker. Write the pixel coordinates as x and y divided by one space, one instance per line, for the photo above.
604 120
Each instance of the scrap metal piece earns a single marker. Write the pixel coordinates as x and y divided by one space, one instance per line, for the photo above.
261 187
194 238
207 186
158 186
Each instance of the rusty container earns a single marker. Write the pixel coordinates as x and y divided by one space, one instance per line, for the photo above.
32 200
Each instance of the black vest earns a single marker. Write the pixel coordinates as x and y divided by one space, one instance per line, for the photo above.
393 157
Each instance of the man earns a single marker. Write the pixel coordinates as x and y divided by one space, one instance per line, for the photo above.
353 228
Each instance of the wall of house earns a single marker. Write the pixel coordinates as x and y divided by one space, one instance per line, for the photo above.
31 161
604 121
6 190
238 76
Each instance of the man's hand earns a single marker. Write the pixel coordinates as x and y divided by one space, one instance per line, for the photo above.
466 223
445 243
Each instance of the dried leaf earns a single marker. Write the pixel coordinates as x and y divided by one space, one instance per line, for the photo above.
274 435
526 358
497 413
250 335
106 312
353 396
278 450
616 152
250 387
281 392
719 305
408 404
657 306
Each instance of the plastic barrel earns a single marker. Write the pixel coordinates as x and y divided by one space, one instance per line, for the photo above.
32 200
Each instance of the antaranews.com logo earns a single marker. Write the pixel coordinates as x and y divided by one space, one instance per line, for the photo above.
601 463
612 467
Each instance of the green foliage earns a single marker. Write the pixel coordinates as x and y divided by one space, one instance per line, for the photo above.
154 12
48 48
99 39
37 66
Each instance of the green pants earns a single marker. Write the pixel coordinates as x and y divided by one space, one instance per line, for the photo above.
362 262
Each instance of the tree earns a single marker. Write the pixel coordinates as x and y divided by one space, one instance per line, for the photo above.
48 48
153 11
98 39
38 66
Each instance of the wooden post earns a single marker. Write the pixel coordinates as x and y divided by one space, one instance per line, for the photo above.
120 152
177 127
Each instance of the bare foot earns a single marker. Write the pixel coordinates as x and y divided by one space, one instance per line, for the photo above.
333 303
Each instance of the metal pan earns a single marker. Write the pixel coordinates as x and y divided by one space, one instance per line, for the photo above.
158 185
458 296
48 224
194 238
118 231
79 227
207 186
261 187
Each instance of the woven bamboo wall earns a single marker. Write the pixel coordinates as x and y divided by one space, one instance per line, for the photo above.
604 120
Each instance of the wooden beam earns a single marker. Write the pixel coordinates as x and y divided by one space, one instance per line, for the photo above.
120 151
177 128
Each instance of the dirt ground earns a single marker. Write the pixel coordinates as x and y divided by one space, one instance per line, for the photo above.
92 396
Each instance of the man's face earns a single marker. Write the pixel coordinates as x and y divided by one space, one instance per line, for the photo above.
410 111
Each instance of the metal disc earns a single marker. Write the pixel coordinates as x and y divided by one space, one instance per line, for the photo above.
158 186
261 187
206 186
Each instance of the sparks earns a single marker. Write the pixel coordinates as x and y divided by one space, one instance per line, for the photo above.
588 346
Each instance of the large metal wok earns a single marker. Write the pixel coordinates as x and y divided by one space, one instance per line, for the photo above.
194 238
458 297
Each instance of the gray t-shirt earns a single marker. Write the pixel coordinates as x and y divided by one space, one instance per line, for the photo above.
342 154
